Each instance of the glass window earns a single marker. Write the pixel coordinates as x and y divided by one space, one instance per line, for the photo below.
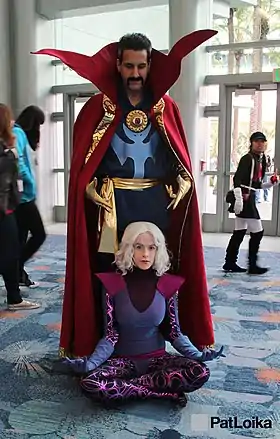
58 147
79 103
59 102
249 23
245 61
211 132
245 24
253 111
212 95
59 198
211 194
212 136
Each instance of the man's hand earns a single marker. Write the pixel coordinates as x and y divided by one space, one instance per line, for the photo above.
183 189
212 354
96 198
79 365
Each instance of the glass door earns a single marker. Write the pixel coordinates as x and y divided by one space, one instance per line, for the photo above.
248 110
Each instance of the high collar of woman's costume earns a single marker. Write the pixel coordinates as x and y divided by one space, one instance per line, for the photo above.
143 274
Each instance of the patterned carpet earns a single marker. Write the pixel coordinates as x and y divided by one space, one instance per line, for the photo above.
35 403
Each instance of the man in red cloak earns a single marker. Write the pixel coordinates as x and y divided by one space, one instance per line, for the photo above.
130 163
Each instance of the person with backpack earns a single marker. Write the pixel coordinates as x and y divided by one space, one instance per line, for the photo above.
9 199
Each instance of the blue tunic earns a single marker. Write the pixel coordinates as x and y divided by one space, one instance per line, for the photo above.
139 155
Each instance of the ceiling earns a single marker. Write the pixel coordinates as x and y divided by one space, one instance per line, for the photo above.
51 9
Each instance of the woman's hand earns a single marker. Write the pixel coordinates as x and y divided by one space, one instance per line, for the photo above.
79 365
212 354
275 178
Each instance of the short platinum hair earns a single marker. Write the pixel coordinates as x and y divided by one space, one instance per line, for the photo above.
124 257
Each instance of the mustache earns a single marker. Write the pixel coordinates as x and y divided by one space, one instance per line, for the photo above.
131 80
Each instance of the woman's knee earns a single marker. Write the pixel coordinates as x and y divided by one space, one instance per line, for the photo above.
201 375
90 385
40 237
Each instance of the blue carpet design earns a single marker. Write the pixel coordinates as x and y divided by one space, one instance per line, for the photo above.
37 403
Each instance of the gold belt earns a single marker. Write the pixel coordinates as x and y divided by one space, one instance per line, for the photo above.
107 221
134 184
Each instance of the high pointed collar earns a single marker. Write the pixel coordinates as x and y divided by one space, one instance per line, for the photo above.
101 68
142 274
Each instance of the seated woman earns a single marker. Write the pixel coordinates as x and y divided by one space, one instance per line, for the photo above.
130 361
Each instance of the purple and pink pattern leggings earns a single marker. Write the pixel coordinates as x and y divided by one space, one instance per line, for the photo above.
167 377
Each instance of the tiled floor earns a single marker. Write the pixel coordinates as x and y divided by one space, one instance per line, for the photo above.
36 403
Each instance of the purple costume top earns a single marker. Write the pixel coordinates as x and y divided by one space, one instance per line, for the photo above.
138 334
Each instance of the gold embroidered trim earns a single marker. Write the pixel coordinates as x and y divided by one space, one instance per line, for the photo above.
109 115
158 110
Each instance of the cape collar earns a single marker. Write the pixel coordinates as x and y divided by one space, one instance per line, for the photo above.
101 70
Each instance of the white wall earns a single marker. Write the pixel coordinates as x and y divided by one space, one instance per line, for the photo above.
88 34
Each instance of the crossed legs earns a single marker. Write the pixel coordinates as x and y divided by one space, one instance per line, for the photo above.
167 377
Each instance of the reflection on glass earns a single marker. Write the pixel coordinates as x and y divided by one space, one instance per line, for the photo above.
211 194
59 198
58 151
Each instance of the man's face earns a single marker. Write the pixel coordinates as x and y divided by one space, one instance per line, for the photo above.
134 69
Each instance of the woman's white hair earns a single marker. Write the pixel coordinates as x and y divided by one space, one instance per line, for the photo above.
124 257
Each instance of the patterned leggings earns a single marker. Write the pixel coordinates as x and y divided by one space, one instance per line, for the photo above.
167 377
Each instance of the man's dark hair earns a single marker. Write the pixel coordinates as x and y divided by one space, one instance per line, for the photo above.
134 41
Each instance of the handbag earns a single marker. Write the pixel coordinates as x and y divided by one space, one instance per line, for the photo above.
230 197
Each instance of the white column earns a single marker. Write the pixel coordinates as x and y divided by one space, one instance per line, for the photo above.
45 33
186 16
5 86
33 76
23 41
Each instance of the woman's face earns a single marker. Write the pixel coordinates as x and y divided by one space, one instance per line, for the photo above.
144 251
258 146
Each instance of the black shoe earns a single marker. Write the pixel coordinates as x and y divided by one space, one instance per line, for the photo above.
25 281
233 268
257 270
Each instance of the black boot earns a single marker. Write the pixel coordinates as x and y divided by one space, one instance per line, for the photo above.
254 245
232 252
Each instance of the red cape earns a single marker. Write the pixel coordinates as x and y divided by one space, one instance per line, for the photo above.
80 328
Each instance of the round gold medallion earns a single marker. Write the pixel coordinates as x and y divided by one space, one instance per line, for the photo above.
137 121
